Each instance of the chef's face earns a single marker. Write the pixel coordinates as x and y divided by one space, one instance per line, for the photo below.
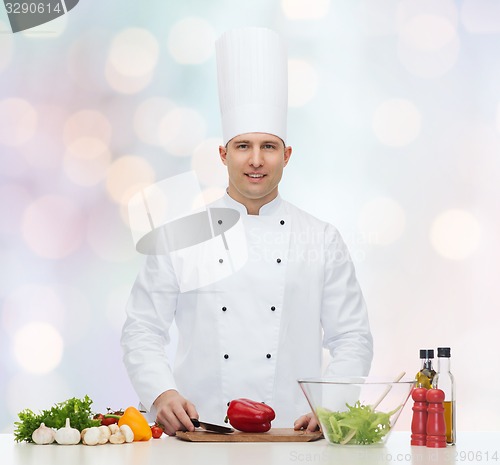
255 163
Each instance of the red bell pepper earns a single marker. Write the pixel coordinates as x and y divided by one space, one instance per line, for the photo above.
250 416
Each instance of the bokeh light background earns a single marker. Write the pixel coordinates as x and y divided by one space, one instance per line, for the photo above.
395 123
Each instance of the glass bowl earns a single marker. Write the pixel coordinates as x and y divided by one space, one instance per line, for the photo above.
356 411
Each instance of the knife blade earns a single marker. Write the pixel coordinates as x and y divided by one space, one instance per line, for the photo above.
211 427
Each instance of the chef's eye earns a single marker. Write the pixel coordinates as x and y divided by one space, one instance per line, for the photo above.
242 146
269 146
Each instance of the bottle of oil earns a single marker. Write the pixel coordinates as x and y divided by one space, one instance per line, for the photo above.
445 381
425 376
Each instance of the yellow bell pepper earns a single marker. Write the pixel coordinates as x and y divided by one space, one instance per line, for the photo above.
137 422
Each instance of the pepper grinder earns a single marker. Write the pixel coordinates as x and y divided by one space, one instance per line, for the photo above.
436 427
419 419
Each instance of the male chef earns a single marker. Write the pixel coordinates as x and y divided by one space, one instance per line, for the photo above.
258 330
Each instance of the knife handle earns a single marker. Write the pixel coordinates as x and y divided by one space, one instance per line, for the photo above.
195 422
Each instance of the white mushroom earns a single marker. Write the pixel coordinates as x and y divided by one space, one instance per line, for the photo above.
127 433
105 433
114 428
91 436
117 438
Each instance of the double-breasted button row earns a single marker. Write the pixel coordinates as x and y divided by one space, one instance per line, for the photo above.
268 356
224 309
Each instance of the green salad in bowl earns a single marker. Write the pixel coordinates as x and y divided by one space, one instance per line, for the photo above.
356 411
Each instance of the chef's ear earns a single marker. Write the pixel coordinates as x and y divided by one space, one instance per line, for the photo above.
287 154
222 154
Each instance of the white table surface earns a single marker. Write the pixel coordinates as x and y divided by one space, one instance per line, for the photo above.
471 447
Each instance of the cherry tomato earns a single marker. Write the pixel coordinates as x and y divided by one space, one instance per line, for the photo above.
156 431
106 421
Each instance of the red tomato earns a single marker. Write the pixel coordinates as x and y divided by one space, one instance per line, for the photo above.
156 431
108 421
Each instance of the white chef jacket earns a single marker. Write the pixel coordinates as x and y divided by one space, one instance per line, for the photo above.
255 332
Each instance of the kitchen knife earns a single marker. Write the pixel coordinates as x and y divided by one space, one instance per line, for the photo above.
211 427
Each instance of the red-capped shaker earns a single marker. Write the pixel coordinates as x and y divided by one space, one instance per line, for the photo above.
436 426
419 419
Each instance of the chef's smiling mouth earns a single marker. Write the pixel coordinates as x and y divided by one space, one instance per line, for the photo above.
255 175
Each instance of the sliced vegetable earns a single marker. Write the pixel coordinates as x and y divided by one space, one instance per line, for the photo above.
359 424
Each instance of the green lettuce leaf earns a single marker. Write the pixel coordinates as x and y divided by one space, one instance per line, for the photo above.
359 424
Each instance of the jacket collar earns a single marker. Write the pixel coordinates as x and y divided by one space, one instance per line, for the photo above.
269 208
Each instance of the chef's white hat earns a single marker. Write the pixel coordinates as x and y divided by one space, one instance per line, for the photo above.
253 82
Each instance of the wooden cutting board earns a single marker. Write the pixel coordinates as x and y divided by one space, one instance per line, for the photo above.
273 435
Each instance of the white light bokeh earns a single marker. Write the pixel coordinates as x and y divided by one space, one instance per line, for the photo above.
52 226
481 16
408 9
207 165
38 347
134 52
455 234
383 220
86 161
181 130
87 123
428 45
305 9
126 176
378 18
147 118
18 121
302 82
43 152
396 122
191 41
126 84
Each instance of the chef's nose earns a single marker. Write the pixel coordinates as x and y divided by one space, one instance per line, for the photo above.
256 158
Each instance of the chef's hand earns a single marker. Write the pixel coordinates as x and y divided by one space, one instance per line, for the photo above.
307 422
174 412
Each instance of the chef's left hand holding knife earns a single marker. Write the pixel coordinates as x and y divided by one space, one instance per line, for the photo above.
174 412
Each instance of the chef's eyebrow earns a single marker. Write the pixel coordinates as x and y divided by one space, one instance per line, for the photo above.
248 142
264 142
